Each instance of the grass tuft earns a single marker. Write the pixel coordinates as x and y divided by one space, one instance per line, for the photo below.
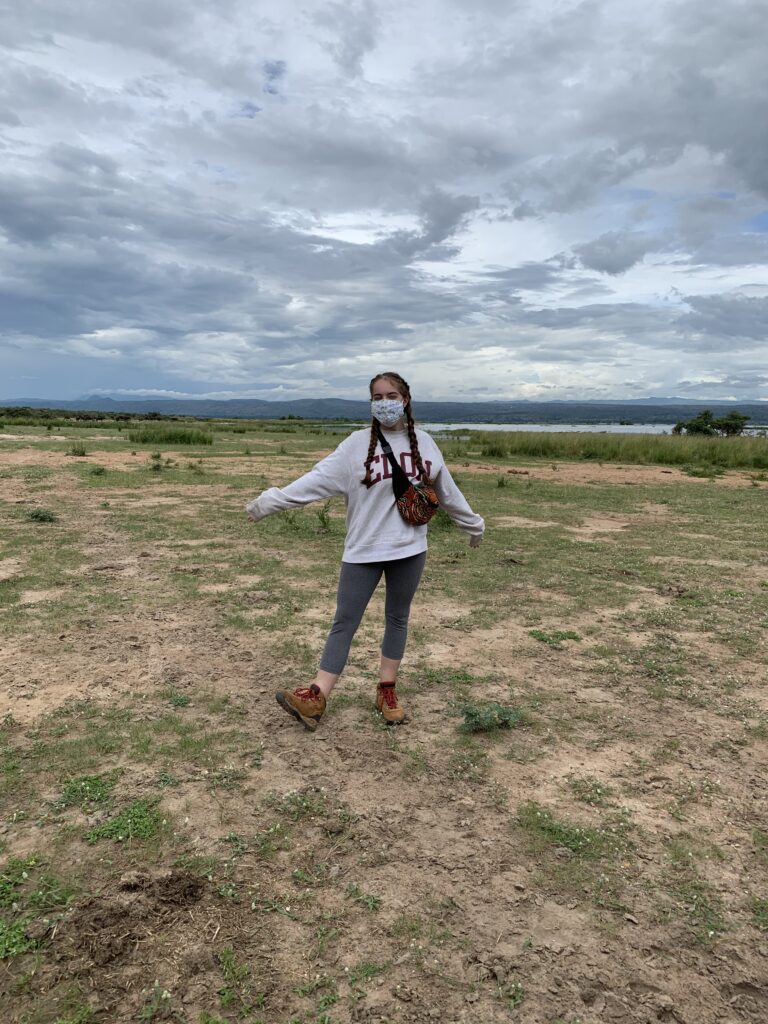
88 790
488 716
139 820
554 638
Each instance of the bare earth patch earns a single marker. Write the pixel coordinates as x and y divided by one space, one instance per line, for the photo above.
599 524
9 567
36 596
607 473
521 521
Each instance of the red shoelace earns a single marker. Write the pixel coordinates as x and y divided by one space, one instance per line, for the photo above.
307 693
389 695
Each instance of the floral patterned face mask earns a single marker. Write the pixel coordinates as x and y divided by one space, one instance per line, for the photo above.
387 411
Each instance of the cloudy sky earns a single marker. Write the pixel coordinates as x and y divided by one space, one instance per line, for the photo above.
498 198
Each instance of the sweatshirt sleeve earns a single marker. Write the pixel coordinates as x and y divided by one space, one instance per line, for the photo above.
456 505
327 478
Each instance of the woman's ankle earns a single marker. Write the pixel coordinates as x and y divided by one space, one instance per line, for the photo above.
325 681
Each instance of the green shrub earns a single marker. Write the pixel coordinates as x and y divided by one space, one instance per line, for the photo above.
41 515
488 716
170 435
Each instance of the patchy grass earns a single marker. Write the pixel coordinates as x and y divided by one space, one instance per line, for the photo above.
266 875
488 716
691 898
88 791
609 839
139 820
554 638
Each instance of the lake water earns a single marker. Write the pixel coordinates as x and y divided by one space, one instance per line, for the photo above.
553 428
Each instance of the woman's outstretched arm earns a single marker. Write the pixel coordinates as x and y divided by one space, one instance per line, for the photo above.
457 506
328 478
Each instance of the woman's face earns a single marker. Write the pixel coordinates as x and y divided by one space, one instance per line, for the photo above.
383 387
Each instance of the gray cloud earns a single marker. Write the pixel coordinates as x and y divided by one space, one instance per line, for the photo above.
725 317
204 195
354 27
615 251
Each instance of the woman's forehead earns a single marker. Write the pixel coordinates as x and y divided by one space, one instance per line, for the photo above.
385 383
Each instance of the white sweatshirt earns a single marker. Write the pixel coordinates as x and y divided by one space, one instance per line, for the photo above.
376 531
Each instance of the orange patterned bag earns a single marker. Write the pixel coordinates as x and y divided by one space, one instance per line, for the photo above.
416 502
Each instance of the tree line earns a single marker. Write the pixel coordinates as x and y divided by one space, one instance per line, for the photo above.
730 425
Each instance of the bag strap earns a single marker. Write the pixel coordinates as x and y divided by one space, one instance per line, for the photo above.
387 449
400 482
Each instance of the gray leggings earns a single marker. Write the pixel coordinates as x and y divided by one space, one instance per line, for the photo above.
357 582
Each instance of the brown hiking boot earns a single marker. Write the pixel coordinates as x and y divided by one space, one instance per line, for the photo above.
386 702
306 704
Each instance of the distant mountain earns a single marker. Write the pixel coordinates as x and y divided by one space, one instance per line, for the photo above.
639 410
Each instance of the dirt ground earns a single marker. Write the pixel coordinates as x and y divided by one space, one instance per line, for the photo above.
417 897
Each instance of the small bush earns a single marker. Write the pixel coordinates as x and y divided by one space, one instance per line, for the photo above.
78 449
97 470
488 716
41 515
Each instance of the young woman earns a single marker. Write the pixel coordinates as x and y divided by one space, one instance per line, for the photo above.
379 541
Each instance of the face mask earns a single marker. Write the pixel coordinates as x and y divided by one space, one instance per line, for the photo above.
387 411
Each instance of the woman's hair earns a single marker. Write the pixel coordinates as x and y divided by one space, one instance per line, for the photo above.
405 391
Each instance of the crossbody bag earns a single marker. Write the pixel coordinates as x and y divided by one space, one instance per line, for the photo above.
416 501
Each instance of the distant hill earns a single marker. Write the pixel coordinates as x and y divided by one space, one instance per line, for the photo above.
653 410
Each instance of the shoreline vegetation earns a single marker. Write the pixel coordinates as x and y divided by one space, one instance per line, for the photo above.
697 453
